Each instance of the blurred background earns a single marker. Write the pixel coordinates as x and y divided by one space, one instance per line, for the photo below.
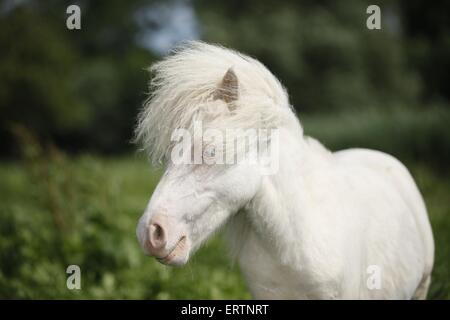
72 186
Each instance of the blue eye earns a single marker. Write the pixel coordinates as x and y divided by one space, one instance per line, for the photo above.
209 151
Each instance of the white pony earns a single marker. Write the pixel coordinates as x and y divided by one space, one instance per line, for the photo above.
326 225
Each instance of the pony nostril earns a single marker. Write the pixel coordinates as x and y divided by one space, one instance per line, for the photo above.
157 236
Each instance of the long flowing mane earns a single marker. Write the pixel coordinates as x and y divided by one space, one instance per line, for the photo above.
182 90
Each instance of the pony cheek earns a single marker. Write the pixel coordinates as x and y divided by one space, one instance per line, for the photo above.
207 224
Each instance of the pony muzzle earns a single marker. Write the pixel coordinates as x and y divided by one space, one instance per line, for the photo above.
163 238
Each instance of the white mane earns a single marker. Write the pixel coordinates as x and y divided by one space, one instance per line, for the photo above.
182 90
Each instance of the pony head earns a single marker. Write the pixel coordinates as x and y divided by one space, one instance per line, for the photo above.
204 99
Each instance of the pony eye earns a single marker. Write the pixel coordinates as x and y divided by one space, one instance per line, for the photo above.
209 152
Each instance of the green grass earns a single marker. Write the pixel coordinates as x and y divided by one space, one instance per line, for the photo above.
435 188
84 211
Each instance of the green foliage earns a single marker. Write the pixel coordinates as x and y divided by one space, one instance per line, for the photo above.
35 70
410 135
427 33
435 187
57 211
80 89
321 50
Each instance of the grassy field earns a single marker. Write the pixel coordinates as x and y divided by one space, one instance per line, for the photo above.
84 211
57 210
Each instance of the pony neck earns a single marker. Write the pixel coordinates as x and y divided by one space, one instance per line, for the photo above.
277 213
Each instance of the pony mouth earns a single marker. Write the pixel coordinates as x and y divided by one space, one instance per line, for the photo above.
178 255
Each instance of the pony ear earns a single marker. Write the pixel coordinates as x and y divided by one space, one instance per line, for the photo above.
228 89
